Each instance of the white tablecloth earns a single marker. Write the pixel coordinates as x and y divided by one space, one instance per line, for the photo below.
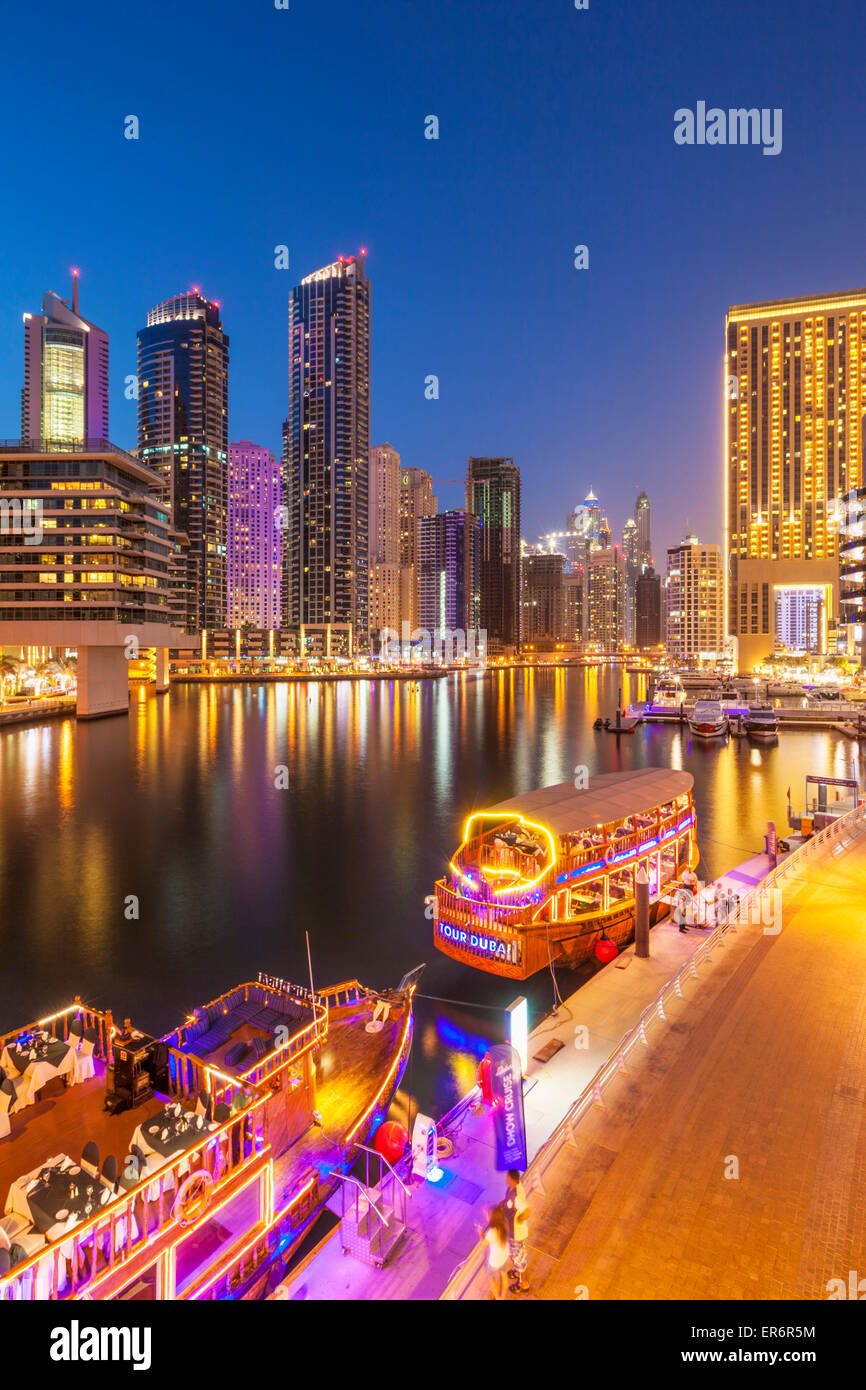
37 1074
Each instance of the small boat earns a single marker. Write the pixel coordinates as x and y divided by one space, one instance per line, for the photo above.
599 723
761 723
708 720
542 877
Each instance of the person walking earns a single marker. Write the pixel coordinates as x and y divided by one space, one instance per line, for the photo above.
517 1216
495 1234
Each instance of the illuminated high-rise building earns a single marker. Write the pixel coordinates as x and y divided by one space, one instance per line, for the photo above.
695 602
328 451
493 494
183 373
65 394
416 502
630 550
384 538
449 558
543 597
795 395
253 537
643 522
606 608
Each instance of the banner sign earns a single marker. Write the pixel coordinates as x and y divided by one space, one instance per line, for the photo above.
506 1083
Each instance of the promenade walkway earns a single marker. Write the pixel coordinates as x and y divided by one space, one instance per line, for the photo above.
442 1217
730 1160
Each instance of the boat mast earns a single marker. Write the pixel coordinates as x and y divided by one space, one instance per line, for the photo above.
310 964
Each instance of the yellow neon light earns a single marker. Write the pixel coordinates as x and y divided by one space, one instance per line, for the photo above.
529 825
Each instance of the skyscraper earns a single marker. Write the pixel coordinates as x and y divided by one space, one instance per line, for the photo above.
65 392
795 396
543 598
695 601
384 538
643 521
416 502
630 550
183 370
493 494
253 537
449 565
606 582
648 609
328 451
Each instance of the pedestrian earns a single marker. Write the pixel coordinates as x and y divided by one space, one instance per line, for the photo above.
720 905
680 898
495 1234
517 1216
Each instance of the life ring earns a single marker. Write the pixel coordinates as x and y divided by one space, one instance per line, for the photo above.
193 1197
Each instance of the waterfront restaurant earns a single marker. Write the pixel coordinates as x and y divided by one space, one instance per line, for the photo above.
545 876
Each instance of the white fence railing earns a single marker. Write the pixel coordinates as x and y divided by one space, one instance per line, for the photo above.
794 866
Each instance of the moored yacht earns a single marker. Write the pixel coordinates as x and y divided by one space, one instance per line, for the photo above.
761 723
708 720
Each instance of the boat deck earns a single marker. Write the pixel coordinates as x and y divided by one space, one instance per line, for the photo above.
63 1121
353 1067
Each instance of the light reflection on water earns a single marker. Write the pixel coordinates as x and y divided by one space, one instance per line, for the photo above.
178 806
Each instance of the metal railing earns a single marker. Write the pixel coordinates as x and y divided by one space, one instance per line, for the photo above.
373 1215
795 865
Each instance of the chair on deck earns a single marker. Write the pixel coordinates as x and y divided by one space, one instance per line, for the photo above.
109 1171
204 1105
76 1032
222 1113
84 1066
7 1102
90 1158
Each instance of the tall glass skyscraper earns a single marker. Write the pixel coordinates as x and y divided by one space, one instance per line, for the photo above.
327 451
65 393
493 494
183 374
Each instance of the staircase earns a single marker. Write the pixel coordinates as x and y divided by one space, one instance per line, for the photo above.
373 1212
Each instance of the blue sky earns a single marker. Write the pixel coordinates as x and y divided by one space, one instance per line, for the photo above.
305 127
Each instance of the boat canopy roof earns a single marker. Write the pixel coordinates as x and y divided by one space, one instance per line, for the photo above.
609 797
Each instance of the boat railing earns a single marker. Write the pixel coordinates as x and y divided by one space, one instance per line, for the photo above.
94 1251
637 1037
57 1025
345 994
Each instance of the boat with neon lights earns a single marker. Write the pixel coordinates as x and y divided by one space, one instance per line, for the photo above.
544 876
188 1167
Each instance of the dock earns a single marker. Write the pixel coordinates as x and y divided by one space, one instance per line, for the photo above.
442 1217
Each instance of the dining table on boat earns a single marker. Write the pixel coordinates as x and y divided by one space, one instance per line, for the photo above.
169 1133
57 1196
38 1061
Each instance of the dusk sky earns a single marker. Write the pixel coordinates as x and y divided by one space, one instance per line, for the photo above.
305 127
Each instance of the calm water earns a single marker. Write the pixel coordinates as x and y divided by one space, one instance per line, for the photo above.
178 806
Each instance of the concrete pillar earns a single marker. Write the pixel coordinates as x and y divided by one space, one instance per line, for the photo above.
641 916
103 682
161 663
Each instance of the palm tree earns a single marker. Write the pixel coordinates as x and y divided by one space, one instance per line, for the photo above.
10 667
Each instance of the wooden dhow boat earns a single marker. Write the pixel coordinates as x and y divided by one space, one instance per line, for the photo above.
188 1167
544 876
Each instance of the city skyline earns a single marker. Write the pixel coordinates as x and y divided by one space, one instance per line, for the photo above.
569 402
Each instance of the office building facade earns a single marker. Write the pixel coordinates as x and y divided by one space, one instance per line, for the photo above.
543 599
450 557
